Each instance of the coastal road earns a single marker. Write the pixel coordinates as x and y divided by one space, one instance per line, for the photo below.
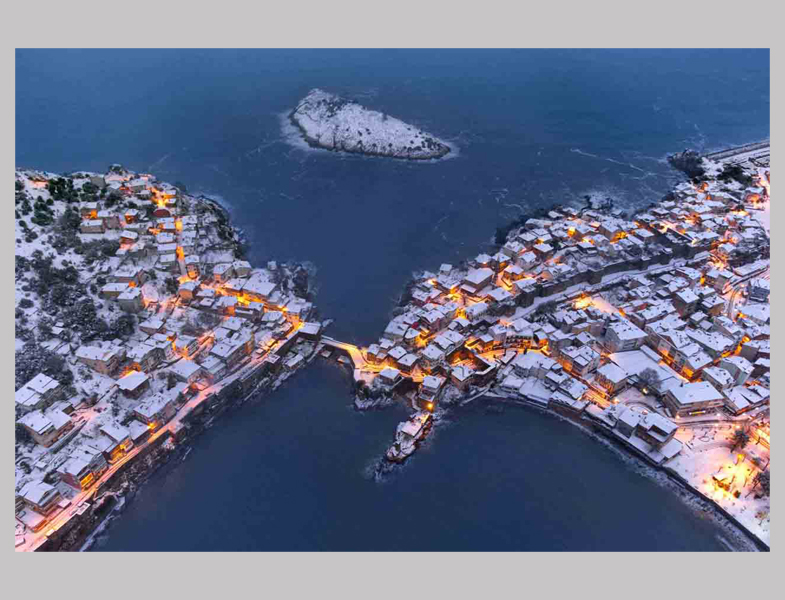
732 301
34 540
738 287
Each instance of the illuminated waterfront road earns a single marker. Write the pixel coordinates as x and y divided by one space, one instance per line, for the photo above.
34 540
738 286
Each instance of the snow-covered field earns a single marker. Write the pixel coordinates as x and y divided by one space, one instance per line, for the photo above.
707 452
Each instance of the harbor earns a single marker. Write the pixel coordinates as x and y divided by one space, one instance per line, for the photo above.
391 220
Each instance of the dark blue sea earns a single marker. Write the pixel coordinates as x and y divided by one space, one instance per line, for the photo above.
294 470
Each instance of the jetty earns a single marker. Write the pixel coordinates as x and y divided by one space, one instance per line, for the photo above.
756 154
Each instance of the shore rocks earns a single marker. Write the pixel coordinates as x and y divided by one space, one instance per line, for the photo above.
334 123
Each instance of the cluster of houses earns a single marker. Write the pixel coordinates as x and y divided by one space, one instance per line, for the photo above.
674 304
226 320
678 333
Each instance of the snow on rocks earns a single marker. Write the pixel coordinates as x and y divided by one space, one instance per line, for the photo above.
330 122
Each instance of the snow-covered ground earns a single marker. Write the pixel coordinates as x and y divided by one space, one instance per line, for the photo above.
764 216
707 452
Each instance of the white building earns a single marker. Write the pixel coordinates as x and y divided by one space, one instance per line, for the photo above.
622 336
693 398
37 393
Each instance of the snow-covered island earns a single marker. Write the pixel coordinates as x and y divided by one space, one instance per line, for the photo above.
333 123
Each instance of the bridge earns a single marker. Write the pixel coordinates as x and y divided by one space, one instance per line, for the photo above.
363 370
358 360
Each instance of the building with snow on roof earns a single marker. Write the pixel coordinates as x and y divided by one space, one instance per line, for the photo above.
693 398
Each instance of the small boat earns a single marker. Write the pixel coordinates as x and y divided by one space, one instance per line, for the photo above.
407 435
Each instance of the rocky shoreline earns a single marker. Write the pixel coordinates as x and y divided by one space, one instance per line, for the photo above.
172 247
425 289
603 434
124 489
560 286
329 122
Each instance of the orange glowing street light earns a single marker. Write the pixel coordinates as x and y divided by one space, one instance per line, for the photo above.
583 301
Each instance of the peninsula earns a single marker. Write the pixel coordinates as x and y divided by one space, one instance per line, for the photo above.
138 321
650 330
333 123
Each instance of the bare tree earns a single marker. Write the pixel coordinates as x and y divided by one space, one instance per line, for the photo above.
763 479
740 439
207 320
190 328
649 377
